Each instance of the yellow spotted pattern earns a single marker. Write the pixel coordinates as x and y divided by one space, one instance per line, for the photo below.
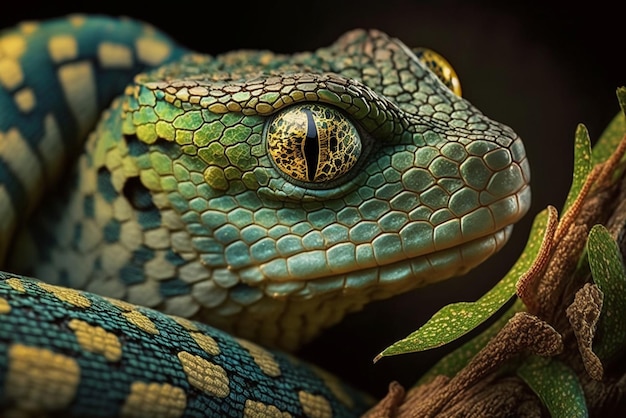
152 51
12 46
51 148
185 323
66 295
120 304
113 55
205 375
315 406
39 379
263 358
25 99
254 409
11 74
62 48
154 400
141 321
205 342
5 308
16 284
97 340
28 27
77 20
79 88
27 169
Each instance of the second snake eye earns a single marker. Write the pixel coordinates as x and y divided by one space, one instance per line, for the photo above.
313 143
440 67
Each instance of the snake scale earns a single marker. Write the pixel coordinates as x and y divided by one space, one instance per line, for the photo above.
158 193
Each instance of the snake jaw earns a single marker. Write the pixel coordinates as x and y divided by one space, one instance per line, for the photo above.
419 266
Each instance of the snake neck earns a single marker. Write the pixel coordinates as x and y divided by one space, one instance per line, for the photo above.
114 237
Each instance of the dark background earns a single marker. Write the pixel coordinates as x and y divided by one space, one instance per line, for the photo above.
539 67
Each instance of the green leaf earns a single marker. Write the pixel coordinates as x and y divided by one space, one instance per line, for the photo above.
457 319
607 268
455 361
609 139
556 385
582 164
613 133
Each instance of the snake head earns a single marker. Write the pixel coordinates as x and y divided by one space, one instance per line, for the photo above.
293 189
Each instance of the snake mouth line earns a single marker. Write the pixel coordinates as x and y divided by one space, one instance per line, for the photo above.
401 275
399 264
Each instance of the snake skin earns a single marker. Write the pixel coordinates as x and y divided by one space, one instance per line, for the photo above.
266 195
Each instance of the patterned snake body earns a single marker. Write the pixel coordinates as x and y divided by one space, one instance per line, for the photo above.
264 194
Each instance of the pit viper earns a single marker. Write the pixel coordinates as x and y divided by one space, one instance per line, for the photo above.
189 218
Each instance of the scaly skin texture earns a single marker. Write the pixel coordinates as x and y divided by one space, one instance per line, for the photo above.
264 194
78 354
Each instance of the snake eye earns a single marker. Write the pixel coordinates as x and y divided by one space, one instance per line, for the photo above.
440 67
313 143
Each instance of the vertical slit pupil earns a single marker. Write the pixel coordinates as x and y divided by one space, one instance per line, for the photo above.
311 146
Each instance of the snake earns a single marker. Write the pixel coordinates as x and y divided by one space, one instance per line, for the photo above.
174 225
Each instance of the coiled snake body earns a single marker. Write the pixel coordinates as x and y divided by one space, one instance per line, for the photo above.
266 195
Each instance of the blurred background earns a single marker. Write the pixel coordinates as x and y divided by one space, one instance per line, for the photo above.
541 68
